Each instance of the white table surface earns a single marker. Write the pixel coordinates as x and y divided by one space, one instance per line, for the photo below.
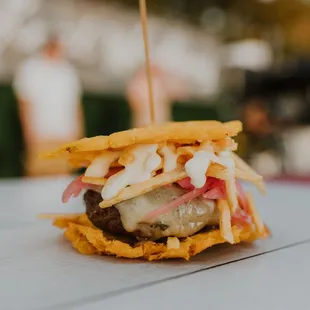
40 270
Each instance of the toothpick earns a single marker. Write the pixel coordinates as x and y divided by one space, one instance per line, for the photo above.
143 15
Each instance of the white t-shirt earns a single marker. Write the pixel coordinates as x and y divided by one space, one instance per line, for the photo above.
53 90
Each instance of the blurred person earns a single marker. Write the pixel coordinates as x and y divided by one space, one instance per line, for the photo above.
166 89
48 92
256 118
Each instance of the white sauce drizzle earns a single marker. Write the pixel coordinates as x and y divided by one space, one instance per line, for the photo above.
146 161
101 164
196 168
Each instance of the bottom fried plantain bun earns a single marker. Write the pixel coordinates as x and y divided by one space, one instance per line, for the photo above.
163 191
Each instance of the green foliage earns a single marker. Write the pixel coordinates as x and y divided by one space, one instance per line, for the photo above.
11 141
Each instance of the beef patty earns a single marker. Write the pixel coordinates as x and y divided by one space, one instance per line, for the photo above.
107 219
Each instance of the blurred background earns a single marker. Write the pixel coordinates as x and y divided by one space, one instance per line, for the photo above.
74 68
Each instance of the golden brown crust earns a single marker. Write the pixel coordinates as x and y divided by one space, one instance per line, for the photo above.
173 131
87 239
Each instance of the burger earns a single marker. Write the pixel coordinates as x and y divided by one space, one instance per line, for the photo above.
164 191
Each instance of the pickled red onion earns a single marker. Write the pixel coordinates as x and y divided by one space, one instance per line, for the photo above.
242 198
215 193
212 182
73 189
241 217
186 184
177 202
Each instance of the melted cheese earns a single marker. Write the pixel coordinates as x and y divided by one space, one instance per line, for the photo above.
170 157
146 161
184 221
101 164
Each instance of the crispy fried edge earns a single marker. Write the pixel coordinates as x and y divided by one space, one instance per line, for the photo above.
87 239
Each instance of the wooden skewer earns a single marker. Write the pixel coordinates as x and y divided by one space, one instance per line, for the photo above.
143 15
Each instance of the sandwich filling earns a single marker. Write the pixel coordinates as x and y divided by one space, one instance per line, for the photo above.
166 189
